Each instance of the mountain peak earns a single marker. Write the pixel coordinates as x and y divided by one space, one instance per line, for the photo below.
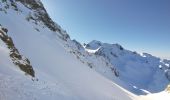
93 45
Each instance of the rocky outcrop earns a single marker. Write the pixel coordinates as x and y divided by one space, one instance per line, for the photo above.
22 62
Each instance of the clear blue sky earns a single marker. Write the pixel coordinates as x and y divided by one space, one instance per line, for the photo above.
138 25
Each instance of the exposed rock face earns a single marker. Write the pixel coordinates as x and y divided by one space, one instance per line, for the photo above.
19 60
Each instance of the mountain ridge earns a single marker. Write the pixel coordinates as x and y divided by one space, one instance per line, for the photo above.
120 58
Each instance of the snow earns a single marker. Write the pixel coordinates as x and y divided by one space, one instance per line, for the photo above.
93 45
60 75
66 70
78 79
91 51
156 96
142 71
167 65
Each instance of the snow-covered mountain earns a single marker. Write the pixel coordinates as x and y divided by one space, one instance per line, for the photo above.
139 72
39 61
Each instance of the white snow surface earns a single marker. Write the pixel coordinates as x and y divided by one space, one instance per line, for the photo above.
59 74
65 70
156 96
140 74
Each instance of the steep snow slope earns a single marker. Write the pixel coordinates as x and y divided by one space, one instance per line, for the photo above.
66 70
58 74
140 73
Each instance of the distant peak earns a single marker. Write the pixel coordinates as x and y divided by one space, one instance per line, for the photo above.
95 41
93 45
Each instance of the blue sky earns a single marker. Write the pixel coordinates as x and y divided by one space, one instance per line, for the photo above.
138 25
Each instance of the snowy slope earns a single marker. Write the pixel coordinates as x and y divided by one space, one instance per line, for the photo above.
63 68
156 96
58 73
140 73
